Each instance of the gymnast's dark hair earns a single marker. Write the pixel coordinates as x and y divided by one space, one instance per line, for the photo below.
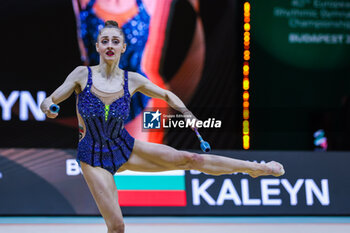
111 24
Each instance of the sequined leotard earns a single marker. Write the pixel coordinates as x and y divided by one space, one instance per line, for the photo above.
136 32
106 143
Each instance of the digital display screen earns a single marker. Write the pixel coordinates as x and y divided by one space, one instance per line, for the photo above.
300 75
186 47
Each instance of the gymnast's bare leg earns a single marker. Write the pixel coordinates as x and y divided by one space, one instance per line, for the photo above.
102 186
152 157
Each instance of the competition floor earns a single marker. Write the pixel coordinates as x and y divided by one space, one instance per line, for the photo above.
178 225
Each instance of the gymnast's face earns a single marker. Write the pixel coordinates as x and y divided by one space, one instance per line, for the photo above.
110 44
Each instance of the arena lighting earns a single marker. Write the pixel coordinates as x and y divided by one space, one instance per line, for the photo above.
245 95
245 114
246 82
245 104
246 55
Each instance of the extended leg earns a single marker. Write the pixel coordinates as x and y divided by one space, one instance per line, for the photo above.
153 157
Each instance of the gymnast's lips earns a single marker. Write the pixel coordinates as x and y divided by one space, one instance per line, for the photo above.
110 53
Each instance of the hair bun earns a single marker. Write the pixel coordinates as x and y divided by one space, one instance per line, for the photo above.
111 23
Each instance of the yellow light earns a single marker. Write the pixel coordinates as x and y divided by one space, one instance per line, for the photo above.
246 146
245 84
246 142
246 26
246 6
245 130
245 114
245 69
245 123
245 95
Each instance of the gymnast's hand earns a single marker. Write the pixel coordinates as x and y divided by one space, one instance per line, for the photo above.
45 108
73 82
51 115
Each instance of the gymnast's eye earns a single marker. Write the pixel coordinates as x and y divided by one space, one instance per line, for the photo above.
116 41
104 41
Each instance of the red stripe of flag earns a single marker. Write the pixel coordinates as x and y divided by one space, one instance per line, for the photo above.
152 198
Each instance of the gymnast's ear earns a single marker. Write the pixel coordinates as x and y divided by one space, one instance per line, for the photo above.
97 48
124 47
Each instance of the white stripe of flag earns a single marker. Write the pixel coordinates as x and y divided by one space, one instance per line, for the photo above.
166 173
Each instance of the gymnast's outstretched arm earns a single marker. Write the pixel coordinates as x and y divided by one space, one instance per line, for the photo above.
74 82
145 86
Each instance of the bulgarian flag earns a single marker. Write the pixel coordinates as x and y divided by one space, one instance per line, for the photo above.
151 188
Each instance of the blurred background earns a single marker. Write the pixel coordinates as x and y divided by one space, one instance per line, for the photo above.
185 46
276 73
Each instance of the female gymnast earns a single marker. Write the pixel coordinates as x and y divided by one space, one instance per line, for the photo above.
103 95
144 24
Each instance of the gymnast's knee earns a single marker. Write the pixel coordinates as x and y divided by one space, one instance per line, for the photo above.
193 160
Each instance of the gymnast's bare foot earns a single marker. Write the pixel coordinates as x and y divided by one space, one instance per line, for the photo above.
271 168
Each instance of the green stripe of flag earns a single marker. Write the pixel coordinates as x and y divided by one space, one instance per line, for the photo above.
150 182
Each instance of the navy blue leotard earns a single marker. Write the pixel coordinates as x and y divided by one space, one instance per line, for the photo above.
106 143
